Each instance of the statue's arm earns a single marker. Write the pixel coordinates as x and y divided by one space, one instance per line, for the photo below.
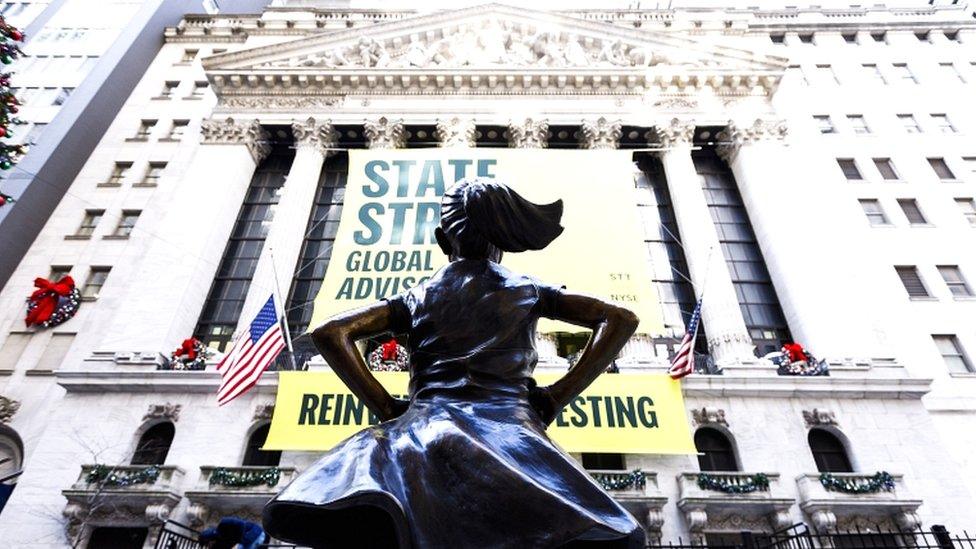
612 326
336 341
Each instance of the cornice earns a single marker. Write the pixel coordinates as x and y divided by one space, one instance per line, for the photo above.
694 386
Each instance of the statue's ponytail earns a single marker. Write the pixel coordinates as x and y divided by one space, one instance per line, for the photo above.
480 214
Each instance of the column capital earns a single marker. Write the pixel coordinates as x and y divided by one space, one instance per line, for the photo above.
232 132
675 132
384 133
321 136
528 134
601 133
455 132
737 134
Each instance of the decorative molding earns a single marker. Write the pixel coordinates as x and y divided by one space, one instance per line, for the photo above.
528 134
696 519
737 522
163 411
264 411
456 132
816 418
8 407
321 136
676 103
278 102
675 132
823 520
385 133
231 132
736 134
709 416
601 134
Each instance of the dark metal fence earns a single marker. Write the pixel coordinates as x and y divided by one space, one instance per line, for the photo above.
799 536
175 535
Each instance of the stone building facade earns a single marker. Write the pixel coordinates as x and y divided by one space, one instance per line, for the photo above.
824 152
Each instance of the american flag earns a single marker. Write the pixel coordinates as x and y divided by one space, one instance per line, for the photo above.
251 354
684 360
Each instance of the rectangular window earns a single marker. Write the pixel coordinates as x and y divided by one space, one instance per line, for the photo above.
874 212
886 168
54 353
903 73
118 174
189 56
826 75
849 167
153 172
824 124
217 51
874 74
198 88
951 73
849 37
777 38
179 128
909 123
912 281
12 348
145 129
941 168
58 272
169 88
96 279
956 360
955 281
89 222
952 36
858 123
878 36
912 212
126 223
795 69
922 36
942 122
970 163
968 208
806 38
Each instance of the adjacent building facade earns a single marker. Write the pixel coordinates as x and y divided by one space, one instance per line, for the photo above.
813 163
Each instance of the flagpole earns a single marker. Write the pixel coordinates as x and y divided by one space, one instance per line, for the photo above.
701 296
284 315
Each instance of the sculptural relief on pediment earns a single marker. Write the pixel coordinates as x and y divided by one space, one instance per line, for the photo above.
493 43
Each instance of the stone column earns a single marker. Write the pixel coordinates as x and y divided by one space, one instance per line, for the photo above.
283 244
600 134
456 132
528 134
770 177
385 133
728 338
167 290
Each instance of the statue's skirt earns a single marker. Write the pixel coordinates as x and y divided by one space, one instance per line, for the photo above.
463 467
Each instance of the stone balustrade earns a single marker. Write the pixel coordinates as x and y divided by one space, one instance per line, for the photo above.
638 492
826 496
241 490
759 498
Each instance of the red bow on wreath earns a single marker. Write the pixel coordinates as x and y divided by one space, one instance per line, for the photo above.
795 351
187 349
45 297
390 350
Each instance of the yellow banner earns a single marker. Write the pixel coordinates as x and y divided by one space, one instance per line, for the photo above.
618 413
385 242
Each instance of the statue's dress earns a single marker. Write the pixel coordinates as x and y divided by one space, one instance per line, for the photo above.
469 464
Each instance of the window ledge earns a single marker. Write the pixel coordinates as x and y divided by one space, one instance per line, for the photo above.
109 185
161 98
144 185
963 374
920 298
193 98
964 297
77 237
921 225
136 139
168 140
87 299
957 180
884 226
115 237
39 373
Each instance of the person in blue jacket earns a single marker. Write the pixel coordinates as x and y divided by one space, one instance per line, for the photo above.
231 532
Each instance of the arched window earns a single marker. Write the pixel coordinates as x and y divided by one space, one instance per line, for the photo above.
154 445
11 460
829 452
716 453
254 455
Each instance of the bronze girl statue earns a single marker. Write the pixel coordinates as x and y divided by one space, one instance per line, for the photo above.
466 461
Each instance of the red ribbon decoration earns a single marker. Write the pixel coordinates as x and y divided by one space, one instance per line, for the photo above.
795 351
188 349
390 350
46 298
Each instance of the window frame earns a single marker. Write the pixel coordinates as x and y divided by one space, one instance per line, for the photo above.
960 353
967 206
913 270
942 121
122 229
820 119
912 203
89 223
150 177
92 288
933 161
915 126
853 163
871 216
959 283
859 124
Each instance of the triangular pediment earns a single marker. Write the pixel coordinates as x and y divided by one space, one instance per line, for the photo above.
493 37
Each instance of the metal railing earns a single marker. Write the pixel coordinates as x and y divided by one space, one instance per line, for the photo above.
175 535
799 536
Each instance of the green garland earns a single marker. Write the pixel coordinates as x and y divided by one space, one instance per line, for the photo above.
878 482
225 477
757 483
109 477
621 481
